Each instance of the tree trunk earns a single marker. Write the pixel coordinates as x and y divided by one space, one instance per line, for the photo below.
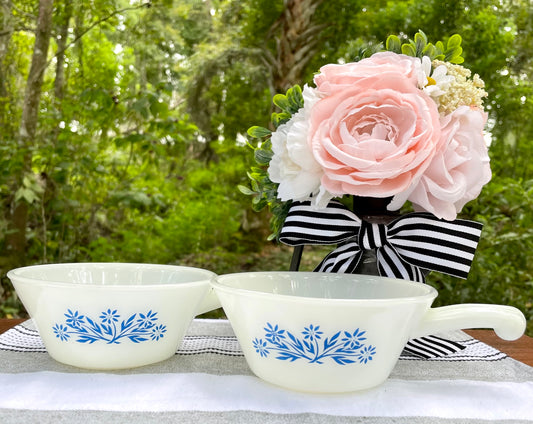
59 83
78 33
34 83
19 210
6 29
296 39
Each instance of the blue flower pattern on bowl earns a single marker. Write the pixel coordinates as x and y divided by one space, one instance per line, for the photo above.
344 347
111 329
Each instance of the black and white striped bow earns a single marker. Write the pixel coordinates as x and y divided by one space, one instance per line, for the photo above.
404 248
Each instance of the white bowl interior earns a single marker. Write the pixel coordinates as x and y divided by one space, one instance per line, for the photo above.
323 285
116 274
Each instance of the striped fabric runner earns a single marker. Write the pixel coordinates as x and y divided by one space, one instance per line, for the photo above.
25 338
432 347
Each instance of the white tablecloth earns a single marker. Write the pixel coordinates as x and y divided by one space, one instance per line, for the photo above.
208 381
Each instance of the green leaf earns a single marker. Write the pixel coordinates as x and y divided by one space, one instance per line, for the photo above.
454 41
255 186
246 190
393 44
130 138
420 43
27 194
454 50
280 118
281 101
295 98
363 53
141 106
271 237
430 50
259 203
262 157
408 50
159 109
453 54
258 132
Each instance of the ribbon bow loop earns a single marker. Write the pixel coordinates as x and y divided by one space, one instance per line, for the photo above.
405 247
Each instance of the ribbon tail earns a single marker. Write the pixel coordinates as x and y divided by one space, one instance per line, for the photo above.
391 264
344 259
427 242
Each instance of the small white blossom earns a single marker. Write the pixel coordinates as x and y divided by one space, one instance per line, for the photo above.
437 82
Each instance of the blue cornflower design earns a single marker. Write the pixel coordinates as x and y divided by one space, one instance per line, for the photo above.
353 340
366 354
148 320
109 316
158 332
61 332
314 346
260 347
274 334
312 333
74 319
138 327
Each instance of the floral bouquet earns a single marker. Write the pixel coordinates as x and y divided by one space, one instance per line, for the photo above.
402 125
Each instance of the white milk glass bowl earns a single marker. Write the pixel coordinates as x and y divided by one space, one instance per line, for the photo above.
328 333
112 315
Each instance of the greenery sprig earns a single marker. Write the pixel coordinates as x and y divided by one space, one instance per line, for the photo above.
263 190
419 47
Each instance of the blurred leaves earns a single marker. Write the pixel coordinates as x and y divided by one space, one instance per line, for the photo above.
502 271
263 190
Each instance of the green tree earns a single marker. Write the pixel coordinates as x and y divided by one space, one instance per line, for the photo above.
111 142
24 193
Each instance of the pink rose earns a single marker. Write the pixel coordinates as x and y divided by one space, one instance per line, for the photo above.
375 132
459 169
335 77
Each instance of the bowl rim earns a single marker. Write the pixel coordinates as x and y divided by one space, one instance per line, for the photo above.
16 275
218 284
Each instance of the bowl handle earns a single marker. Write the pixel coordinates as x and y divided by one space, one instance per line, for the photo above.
209 303
507 321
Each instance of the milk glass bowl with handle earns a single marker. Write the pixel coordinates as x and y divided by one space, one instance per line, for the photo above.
112 315
322 332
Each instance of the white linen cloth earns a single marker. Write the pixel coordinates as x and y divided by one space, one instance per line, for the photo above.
213 393
208 380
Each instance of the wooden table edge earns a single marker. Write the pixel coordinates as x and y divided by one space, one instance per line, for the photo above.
7 323
521 349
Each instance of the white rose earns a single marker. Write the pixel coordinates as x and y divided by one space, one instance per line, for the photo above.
293 165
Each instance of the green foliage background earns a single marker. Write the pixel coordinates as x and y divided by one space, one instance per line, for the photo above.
141 143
